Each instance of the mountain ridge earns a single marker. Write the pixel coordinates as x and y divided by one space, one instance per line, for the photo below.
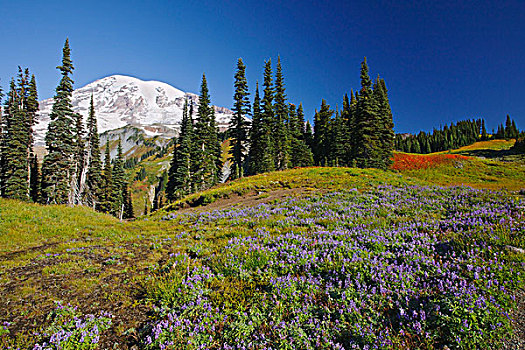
120 100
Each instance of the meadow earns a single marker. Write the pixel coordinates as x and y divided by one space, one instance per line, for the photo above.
315 258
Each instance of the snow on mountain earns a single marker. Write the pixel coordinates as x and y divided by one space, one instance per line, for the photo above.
152 106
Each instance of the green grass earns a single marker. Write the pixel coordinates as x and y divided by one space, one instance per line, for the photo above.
474 172
89 259
312 179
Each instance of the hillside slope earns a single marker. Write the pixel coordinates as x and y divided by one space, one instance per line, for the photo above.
265 238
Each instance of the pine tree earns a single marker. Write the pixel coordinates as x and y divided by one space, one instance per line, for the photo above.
58 166
385 126
280 137
267 158
34 185
347 126
32 107
17 139
366 148
15 158
308 136
336 140
207 144
515 131
300 153
259 139
118 182
322 134
239 126
508 128
107 183
94 183
160 191
180 176
128 205
79 160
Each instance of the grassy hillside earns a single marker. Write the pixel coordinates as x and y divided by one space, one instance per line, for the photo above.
487 164
294 259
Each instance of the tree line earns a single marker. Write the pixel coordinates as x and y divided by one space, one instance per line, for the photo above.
277 137
72 171
462 133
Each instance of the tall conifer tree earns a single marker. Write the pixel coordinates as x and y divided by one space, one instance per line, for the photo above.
118 182
267 111
58 166
300 155
94 183
180 174
366 147
279 131
17 139
107 181
386 126
15 157
207 143
79 160
322 134
257 136
239 125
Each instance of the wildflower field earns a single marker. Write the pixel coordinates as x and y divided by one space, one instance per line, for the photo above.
409 267
351 264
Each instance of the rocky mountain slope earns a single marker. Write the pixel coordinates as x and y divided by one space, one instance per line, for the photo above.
151 106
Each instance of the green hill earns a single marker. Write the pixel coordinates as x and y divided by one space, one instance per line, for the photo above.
265 256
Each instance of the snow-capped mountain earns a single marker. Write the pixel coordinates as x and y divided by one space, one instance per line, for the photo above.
152 106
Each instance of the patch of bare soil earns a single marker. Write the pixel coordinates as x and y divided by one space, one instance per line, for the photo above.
28 296
250 199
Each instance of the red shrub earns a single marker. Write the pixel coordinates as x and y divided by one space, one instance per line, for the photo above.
404 161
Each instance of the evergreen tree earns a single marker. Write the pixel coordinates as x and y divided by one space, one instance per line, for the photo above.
79 160
16 145
366 151
128 205
180 179
15 158
386 126
207 143
119 183
308 136
336 140
508 134
34 185
279 131
94 182
58 166
32 107
322 134
107 183
160 191
347 126
515 131
257 134
267 111
300 153
239 126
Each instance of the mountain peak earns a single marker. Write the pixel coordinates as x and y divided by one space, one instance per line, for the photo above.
122 100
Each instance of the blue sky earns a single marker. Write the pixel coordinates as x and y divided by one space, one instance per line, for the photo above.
442 60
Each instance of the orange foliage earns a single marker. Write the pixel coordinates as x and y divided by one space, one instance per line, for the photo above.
404 161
